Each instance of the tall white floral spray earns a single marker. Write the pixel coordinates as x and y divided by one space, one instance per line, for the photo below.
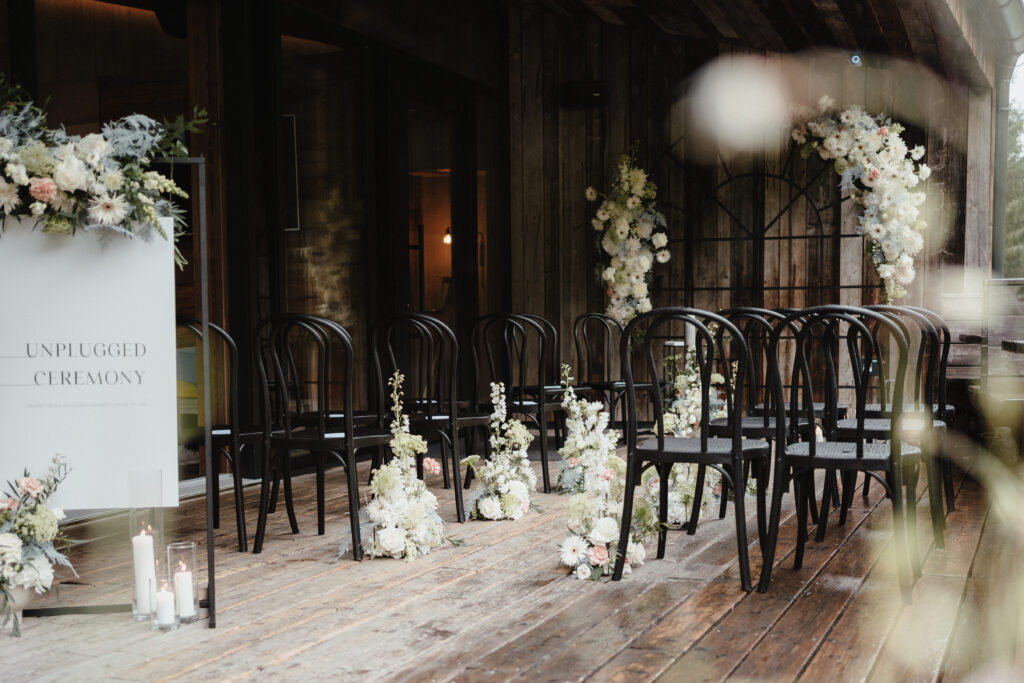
403 511
507 481
880 172
634 237
594 477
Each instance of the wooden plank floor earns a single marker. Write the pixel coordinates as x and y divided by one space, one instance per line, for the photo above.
497 607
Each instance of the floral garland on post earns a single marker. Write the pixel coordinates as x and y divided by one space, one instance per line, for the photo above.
506 479
595 477
69 183
876 167
633 236
403 511
29 530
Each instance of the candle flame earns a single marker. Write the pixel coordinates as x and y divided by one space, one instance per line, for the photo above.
163 586
182 566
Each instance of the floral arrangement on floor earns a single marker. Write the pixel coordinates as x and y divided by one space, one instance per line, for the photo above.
506 478
634 237
403 513
68 183
683 400
595 477
877 168
29 532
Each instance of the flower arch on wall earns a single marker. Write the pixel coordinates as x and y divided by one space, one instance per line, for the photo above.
876 167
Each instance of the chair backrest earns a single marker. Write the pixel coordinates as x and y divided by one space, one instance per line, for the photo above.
553 353
756 326
230 350
945 342
711 356
295 350
819 332
596 338
426 352
509 348
923 363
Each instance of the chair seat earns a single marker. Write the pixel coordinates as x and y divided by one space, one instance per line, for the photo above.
754 427
843 454
875 410
842 410
529 406
878 427
689 450
304 438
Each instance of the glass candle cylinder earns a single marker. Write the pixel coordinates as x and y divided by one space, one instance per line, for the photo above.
184 579
164 617
145 528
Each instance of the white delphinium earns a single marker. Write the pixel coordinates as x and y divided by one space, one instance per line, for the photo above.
506 479
403 511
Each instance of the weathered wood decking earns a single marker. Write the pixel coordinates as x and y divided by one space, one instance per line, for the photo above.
498 607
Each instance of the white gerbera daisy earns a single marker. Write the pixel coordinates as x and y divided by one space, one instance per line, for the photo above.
9 199
109 209
574 550
591 194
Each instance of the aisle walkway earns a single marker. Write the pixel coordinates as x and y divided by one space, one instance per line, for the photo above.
497 607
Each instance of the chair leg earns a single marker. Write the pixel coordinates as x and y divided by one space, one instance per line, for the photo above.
698 496
849 480
276 484
910 474
739 485
800 486
900 535
352 477
543 428
236 474
320 503
664 473
265 487
444 462
867 487
723 501
632 475
947 482
826 505
456 480
768 551
761 474
289 502
931 465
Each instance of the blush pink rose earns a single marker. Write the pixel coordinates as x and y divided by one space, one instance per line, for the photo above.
598 555
884 130
29 485
432 465
43 189
8 504
875 174
573 462
608 474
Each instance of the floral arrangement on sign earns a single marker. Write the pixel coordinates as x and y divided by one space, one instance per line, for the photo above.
68 183
595 477
506 479
876 167
29 530
633 236
403 511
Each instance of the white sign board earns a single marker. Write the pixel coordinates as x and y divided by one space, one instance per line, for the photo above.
87 362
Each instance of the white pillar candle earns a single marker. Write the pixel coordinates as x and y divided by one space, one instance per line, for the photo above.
145 571
164 607
184 596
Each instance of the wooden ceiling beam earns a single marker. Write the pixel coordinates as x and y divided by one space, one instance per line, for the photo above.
864 25
832 17
673 18
920 33
888 17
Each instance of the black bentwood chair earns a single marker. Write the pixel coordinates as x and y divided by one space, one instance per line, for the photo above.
425 350
513 349
596 338
732 455
227 439
290 351
823 326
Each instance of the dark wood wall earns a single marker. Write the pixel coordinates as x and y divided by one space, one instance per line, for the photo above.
559 148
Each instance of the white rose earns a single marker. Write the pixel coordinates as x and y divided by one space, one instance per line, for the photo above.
93 148
604 531
10 548
636 553
490 507
36 574
583 572
660 239
71 175
392 540
17 173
